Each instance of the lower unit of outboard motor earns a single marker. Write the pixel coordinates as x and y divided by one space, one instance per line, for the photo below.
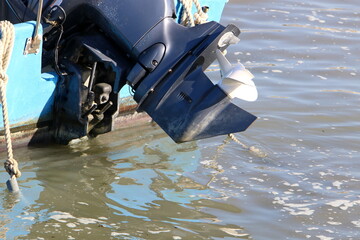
175 91
162 61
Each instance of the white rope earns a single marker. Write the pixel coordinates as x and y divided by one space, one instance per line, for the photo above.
254 150
7 37
187 19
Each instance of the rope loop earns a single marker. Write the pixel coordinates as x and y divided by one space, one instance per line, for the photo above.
12 167
7 38
187 19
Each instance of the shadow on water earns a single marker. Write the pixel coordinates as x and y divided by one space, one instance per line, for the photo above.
122 186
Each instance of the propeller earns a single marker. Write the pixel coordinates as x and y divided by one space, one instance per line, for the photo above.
236 81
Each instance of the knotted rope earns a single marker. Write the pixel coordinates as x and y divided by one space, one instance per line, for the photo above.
7 37
187 18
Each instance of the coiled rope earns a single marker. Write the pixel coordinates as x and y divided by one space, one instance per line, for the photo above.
7 38
187 19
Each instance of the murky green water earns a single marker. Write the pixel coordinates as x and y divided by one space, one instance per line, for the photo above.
298 177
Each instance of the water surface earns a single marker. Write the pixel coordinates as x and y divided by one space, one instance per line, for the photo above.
295 176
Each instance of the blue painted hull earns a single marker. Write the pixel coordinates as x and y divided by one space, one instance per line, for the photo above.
30 93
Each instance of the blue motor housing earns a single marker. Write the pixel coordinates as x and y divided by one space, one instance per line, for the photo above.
125 21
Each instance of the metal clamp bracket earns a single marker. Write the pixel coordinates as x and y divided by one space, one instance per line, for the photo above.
32 45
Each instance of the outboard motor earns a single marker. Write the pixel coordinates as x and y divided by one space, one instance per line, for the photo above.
107 44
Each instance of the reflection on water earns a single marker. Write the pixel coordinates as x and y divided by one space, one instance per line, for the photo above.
138 184
119 185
